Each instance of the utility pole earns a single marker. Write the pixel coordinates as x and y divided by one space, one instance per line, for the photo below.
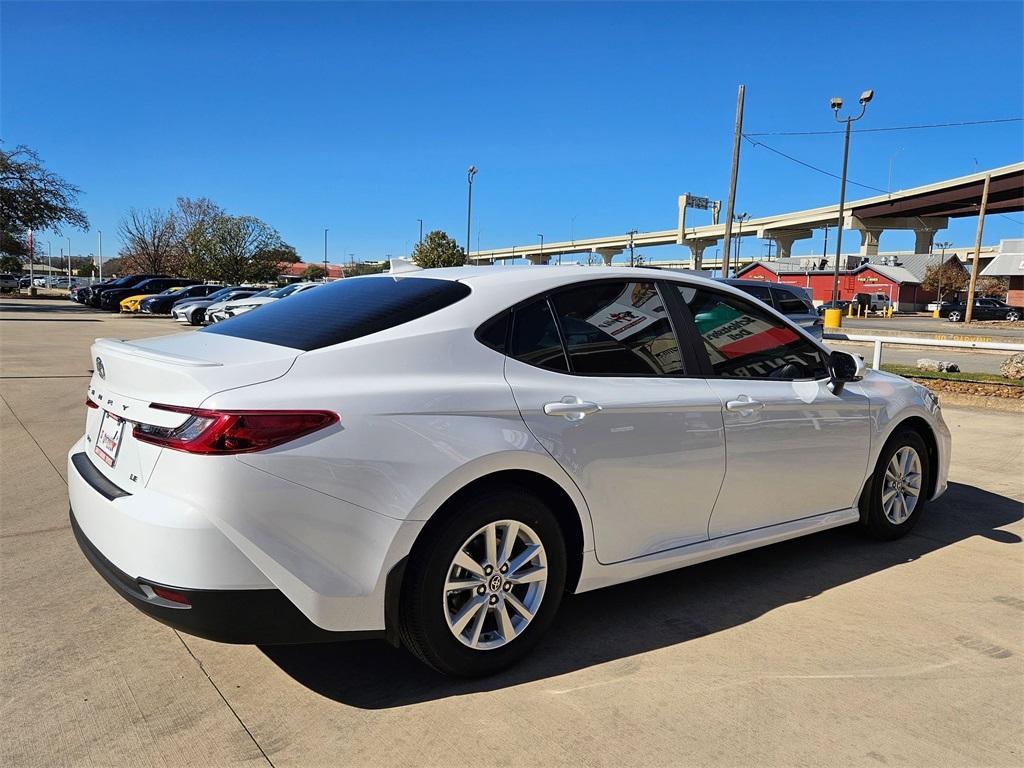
730 206
977 250
632 260
824 248
837 104
470 173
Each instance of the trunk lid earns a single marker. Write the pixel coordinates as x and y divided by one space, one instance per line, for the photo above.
182 369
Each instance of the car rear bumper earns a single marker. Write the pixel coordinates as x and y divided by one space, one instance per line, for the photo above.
252 616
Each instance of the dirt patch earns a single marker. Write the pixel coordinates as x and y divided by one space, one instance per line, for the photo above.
993 397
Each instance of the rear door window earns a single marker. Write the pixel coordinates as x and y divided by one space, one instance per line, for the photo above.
343 310
614 328
759 292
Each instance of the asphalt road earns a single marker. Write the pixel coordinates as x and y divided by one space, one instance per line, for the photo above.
997 331
831 650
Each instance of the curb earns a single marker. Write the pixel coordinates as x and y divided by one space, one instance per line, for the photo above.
923 335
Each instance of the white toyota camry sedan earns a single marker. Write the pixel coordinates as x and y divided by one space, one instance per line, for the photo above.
436 457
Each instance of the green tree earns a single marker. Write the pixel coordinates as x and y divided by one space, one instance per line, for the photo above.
365 268
314 272
438 250
9 263
31 197
284 254
195 218
947 278
88 269
243 250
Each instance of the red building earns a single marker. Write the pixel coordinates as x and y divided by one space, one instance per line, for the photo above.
293 272
900 282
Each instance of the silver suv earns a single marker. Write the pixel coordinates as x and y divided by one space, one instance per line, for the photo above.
791 300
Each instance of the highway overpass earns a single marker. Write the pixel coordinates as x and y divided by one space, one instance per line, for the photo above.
925 210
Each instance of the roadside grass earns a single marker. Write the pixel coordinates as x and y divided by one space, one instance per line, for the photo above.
910 371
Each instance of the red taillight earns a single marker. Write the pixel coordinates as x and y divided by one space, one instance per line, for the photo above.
170 594
229 432
89 403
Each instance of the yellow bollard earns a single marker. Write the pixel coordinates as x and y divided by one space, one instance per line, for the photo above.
833 318
935 312
849 310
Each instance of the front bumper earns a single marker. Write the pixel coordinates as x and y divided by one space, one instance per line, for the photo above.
251 616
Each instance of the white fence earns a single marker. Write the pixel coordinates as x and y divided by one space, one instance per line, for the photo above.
909 341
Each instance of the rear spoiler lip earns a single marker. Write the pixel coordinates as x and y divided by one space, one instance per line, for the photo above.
124 348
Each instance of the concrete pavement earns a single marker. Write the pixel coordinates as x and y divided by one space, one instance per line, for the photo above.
831 650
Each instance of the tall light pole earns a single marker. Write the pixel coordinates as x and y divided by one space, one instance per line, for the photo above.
632 261
541 236
69 261
421 231
731 203
942 246
470 173
49 265
740 218
99 256
837 104
325 256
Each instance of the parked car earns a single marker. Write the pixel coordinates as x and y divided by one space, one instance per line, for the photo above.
64 282
873 302
128 281
24 281
161 303
791 300
111 298
243 305
932 306
131 303
8 282
437 457
984 309
193 311
842 305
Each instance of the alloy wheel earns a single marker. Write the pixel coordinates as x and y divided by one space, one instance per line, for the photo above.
954 317
901 489
495 585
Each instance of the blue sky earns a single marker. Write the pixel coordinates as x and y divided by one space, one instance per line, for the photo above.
584 118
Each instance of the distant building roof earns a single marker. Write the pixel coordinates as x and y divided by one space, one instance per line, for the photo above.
1009 262
288 269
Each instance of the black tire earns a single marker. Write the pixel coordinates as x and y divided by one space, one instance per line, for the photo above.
873 516
424 626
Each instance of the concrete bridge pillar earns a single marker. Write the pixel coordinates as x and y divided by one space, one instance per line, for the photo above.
784 239
697 248
607 254
869 241
537 258
923 239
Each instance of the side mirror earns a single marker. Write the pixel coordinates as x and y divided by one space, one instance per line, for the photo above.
845 367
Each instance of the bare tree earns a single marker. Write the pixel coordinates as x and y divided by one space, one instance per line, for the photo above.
149 240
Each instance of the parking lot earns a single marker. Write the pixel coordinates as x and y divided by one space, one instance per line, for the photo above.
829 650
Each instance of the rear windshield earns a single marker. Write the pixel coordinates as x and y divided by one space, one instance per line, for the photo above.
342 311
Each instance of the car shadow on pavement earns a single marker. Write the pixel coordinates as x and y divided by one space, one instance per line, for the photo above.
14 306
619 622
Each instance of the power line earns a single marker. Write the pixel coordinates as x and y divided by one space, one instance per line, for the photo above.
893 128
1015 221
808 165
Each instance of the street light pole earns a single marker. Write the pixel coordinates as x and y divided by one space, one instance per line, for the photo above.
470 173
69 261
541 236
99 256
942 263
326 273
837 104
421 230
632 261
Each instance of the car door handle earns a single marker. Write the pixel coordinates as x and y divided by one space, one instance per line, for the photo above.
744 404
571 408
